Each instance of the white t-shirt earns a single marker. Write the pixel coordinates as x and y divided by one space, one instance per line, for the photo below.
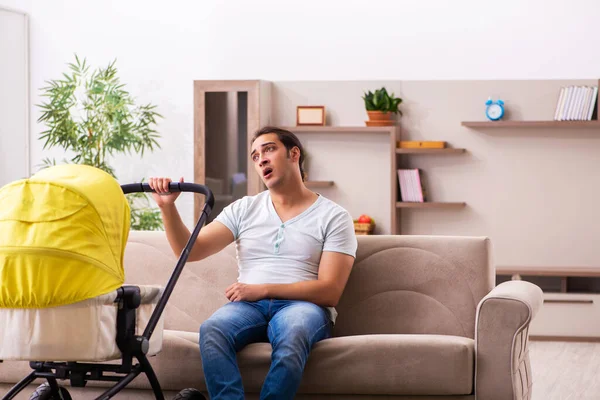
270 251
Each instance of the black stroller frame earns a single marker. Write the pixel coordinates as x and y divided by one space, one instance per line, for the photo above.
131 345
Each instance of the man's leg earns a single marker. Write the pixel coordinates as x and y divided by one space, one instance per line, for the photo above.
292 331
227 331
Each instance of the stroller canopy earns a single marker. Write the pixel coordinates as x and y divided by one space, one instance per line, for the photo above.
62 237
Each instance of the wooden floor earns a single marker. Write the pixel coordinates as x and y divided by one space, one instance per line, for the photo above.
565 370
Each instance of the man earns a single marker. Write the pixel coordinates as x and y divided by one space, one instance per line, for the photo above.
295 252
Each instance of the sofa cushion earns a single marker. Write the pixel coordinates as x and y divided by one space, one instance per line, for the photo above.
391 364
369 364
415 284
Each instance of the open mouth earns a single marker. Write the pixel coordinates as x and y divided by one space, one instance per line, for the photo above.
267 172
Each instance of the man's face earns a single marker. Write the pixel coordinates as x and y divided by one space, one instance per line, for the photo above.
270 158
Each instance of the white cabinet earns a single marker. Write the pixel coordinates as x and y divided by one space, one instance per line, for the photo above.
571 309
568 315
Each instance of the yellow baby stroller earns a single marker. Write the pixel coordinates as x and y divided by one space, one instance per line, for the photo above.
63 305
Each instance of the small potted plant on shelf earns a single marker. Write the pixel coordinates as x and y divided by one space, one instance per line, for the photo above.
380 107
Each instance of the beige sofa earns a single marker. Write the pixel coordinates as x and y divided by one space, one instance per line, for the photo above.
420 319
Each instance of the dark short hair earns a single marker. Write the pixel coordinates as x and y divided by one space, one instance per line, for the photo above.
288 139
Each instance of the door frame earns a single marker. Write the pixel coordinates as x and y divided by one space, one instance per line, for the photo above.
201 87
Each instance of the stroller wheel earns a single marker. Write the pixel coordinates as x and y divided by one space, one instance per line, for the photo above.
44 392
189 394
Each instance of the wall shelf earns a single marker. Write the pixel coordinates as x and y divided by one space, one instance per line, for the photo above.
430 151
430 204
341 129
390 131
532 124
549 271
426 204
318 184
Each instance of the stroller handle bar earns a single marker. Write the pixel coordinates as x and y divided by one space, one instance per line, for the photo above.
206 210
173 187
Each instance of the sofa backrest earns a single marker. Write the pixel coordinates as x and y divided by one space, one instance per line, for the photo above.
399 284
415 284
200 290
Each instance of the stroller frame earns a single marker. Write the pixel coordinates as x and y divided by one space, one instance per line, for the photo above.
131 345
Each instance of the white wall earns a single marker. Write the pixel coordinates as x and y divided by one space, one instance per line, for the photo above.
161 47
532 191
23 6
14 101
358 163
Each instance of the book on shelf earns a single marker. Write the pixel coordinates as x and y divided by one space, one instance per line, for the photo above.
412 188
576 103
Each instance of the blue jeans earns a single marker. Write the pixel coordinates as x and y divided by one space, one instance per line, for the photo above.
292 328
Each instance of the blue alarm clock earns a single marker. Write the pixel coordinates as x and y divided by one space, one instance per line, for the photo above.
494 110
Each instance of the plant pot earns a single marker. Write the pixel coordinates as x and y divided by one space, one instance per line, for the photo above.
380 118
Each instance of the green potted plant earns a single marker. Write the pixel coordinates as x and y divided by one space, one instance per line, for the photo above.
381 106
90 115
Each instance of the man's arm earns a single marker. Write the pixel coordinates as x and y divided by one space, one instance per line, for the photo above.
334 270
213 237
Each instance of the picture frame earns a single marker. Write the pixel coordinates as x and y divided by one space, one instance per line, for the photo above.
310 116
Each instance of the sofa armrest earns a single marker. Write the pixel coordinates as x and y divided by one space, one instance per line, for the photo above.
502 368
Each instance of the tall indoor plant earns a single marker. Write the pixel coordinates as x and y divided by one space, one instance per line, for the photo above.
91 115
381 106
